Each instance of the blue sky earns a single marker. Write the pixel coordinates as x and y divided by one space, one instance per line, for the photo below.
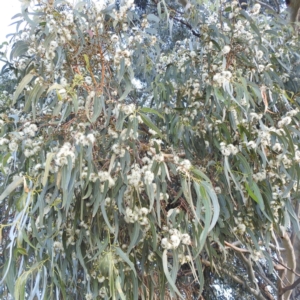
8 8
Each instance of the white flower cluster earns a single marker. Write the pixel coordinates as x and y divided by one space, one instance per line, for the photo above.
30 129
66 150
264 137
105 176
135 177
227 150
84 140
260 176
129 134
226 49
128 109
50 54
251 145
137 215
284 121
256 9
184 166
32 147
58 247
174 239
13 145
89 296
4 141
122 54
244 220
112 133
254 116
222 78
183 259
118 149
103 292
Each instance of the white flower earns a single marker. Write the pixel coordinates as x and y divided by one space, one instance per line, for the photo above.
13 146
218 190
256 9
175 241
134 178
144 211
241 228
251 144
234 150
259 54
159 157
186 164
225 50
103 176
63 93
91 138
225 152
144 221
284 121
114 38
276 147
153 132
185 239
128 109
166 244
33 127
102 292
261 68
151 257
130 216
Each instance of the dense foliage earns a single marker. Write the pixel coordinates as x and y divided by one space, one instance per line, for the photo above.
148 150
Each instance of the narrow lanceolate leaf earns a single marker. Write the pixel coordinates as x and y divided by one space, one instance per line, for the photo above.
168 275
119 288
87 61
216 207
55 86
11 187
152 111
255 194
150 124
125 257
47 167
22 85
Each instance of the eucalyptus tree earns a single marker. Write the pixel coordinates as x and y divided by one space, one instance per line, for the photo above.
148 150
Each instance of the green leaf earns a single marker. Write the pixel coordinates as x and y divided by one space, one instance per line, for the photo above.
22 251
255 194
168 276
151 111
125 257
149 123
22 85
87 61
119 288
47 167
11 187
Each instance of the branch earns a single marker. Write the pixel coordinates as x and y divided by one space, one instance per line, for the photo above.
189 26
261 273
258 295
286 267
290 287
287 277
249 268
236 248
269 6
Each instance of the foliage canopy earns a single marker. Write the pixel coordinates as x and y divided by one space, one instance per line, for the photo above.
144 149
